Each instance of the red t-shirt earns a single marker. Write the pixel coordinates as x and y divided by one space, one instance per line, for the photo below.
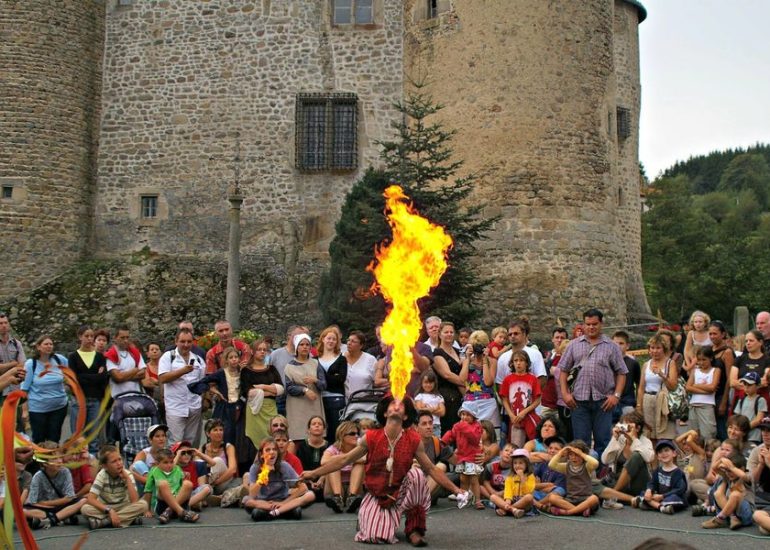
520 390
293 460
81 476
190 472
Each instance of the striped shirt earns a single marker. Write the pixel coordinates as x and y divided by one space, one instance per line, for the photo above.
111 490
601 364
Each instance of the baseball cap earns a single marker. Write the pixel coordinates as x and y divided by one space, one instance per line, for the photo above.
764 424
154 428
663 443
524 453
554 439
750 378
180 445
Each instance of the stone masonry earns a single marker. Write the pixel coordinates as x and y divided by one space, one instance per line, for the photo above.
169 89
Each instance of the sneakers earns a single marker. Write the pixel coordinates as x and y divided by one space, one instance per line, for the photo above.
335 503
96 523
636 502
452 497
72 520
667 509
735 523
295 514
354 503
518 513
137 521
699 510
38 523
260 515
214 500
714 523
612 504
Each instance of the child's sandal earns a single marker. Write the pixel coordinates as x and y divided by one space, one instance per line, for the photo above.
480 505
500 512
165 516
190 517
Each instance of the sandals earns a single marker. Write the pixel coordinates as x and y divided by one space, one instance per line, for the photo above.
518 513
190 517
165 516
480 505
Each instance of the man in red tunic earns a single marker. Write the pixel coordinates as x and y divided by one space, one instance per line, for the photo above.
393 486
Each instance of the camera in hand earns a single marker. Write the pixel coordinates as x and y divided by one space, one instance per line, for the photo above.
478 349
623 428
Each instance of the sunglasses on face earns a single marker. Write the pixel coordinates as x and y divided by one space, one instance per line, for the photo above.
352 433
279 426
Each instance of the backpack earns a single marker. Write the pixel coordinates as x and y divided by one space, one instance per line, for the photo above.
756 405
34 364
678 402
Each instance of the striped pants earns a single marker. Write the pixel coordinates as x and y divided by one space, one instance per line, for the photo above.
378 525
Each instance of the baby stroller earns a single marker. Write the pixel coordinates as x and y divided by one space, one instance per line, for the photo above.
363 404
132 414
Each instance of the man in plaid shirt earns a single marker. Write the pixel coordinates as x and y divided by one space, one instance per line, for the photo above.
598 380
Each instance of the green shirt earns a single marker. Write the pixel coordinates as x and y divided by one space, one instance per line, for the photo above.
174 479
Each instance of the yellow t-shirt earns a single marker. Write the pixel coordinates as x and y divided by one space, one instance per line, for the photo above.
514 488
87 357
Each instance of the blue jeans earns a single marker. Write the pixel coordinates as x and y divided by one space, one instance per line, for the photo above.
589 422
92 413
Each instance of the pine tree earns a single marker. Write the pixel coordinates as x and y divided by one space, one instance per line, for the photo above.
420 160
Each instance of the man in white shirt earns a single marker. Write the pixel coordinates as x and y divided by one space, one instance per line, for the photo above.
176 369
518 335
124 364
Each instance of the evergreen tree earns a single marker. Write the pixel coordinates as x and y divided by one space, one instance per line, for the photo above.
420 160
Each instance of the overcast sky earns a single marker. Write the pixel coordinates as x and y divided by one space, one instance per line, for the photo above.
705 68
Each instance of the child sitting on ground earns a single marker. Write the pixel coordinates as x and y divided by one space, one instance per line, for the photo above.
548 480
167 491
113 500
51 498
280 492
692 460
579 498
667 489
731 496
496 473
183 457
519 487
466 436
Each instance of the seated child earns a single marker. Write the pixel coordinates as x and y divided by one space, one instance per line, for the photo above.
113 500
495 473
281 492
692 460
549 481
667 489
730 498
167 491
519 487
183 457
281 438
579 498
81 466
51 498
466 435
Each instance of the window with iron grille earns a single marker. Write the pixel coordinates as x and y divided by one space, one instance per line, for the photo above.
326 131
149 206
624 122
432 9
350 12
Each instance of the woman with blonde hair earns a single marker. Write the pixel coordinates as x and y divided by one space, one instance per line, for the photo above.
344 488
658 372
333 362
698 335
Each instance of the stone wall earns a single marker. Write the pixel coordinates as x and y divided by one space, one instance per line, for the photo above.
531 91
151 293
50 60
187 80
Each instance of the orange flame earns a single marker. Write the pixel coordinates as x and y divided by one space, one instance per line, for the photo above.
263 473
407 269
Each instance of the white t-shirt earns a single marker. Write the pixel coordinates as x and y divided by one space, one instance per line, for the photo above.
360 375
178 399
504 366
431 400
126 363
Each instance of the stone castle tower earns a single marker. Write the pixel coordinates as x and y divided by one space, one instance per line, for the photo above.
125 118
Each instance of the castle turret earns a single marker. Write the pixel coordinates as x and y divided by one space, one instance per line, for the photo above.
50 61
545 99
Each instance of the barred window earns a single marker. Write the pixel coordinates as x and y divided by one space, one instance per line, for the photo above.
149 206
432 9
348 12
326 136
624 122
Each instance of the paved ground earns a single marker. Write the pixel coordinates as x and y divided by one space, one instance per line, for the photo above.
447 528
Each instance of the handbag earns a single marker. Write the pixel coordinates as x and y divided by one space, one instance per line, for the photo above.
677 399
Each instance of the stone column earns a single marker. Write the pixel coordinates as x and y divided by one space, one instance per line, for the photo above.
233 296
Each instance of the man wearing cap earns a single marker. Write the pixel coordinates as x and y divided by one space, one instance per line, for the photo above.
752 405
177 369
599 379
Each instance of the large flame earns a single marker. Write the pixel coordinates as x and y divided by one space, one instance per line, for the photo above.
406 269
